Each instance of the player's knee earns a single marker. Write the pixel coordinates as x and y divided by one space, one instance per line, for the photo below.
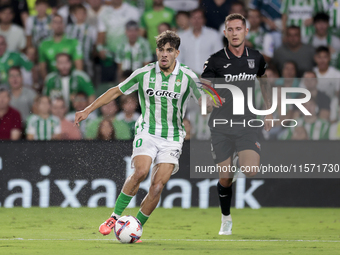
249 170
140 174
226 182
156 188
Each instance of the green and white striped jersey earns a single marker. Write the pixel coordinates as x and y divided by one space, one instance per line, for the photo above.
319 130
133 57
39 29
332 7
163 100
86 35
43 129
298 11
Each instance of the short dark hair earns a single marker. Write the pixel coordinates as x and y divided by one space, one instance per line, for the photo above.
183 13
79 7
239 3
168 37
16 68
6 6
82 94
321 16
290 62
293 27
131 24
235 16
57 15
41 97
165 24
202 11
63 54
322 49
310 71
42 2
3 88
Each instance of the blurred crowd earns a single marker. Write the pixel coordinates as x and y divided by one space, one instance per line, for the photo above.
57 57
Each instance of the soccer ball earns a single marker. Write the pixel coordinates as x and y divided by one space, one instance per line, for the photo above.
128 229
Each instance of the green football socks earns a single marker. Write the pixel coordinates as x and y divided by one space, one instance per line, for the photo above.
122 202
142 217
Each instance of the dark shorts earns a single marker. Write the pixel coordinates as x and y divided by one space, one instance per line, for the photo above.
224 145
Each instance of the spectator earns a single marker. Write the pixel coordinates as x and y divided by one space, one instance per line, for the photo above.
14 34
272 74
122 131
142 5
300 13
300 134
10 121
49 48
20 11
198 43
317 129
134 52
94 11
43 126
163 27
271 16
67 82
85 34
322 101
182 5
80 102
129 104
322 35
115 18
66 11
216 11
8 59
151 19
183 21
68 130
31 4
106 131
257 38
289 79
330 77
332 8
22 98
294 50
38 27
31 78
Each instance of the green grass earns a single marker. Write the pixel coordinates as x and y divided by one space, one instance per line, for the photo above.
172 231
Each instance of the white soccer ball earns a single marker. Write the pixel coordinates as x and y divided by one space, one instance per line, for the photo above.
128 229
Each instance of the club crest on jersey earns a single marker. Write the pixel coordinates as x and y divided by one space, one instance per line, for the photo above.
178 82
251 63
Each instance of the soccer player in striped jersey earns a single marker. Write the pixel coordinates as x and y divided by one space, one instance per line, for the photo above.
300 13
164 90
43 126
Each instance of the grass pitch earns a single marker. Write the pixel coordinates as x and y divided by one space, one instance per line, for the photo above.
172 231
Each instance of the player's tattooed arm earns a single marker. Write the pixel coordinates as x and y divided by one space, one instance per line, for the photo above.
266 89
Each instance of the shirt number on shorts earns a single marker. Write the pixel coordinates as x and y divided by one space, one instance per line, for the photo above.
139 142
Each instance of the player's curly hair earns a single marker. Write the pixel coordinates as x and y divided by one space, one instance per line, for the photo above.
235 16
168 37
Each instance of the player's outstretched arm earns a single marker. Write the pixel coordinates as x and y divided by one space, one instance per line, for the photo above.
266 89
104 99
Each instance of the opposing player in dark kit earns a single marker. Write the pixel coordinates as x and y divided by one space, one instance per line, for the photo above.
239 66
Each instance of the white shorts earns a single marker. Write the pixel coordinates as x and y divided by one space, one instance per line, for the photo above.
158 148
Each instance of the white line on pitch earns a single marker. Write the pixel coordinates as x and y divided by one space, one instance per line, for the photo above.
177 240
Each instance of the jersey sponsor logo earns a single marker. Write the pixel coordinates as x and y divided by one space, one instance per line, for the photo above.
152 80
258 145
227 65
163 93
251 63
240 77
